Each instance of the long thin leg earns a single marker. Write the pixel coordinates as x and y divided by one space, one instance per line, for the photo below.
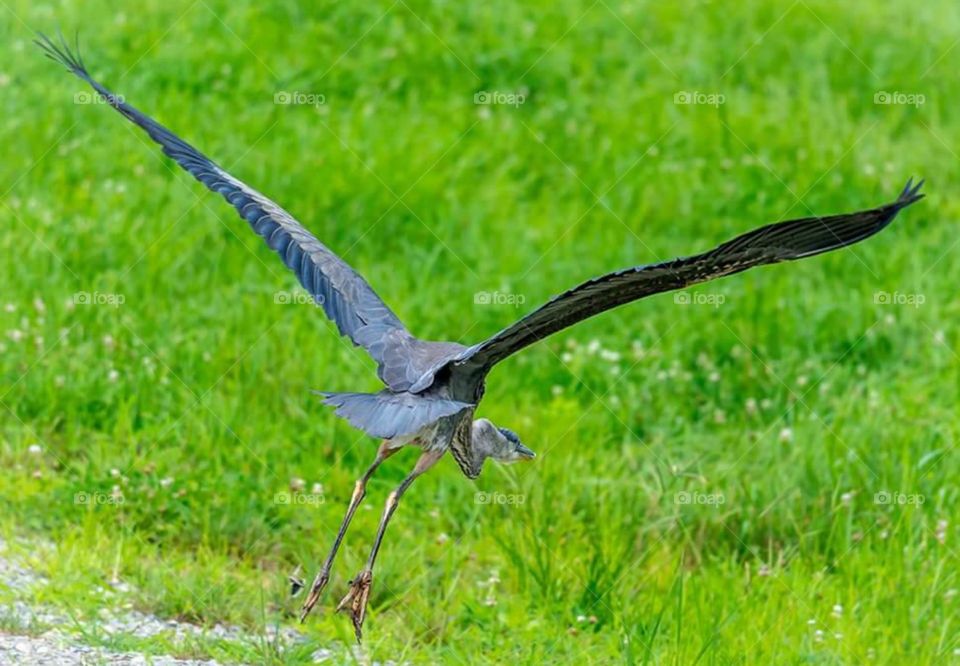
356 599
359 491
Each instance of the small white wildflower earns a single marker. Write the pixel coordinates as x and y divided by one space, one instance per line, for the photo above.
166 482
115 472
316 489
581 618
751 406
714 377
556 389
802 380
950 594
566 357
838 635
846 499
610 355
10 307
811 622
113 375
593 346
108 341
764 570
786 435
297 484
39 305
766 404
818 635
35 449
837 610
15 334
442 538
719 416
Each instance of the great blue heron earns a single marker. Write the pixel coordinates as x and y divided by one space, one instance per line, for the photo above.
433 388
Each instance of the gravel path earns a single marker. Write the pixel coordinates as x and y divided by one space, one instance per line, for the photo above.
52 649
20 642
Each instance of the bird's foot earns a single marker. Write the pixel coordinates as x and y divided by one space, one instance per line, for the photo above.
356 600
316 590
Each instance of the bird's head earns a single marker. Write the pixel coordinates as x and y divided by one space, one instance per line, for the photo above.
498 443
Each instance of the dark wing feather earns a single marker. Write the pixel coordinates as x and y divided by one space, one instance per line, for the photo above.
344 295
783 241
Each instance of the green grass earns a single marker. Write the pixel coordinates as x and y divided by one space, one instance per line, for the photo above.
794 402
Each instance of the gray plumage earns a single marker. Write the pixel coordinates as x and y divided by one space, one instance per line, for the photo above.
428 382
432 388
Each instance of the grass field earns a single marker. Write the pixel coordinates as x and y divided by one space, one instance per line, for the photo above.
762 470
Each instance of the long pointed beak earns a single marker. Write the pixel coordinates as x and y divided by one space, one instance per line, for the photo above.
525 453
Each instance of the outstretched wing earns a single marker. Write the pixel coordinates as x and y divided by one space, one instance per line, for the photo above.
343 294
784 241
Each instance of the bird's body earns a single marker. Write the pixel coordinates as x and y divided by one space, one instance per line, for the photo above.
432 389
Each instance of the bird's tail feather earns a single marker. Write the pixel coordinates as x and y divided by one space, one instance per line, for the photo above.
388 415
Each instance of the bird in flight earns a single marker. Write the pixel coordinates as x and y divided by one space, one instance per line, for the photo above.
432 389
